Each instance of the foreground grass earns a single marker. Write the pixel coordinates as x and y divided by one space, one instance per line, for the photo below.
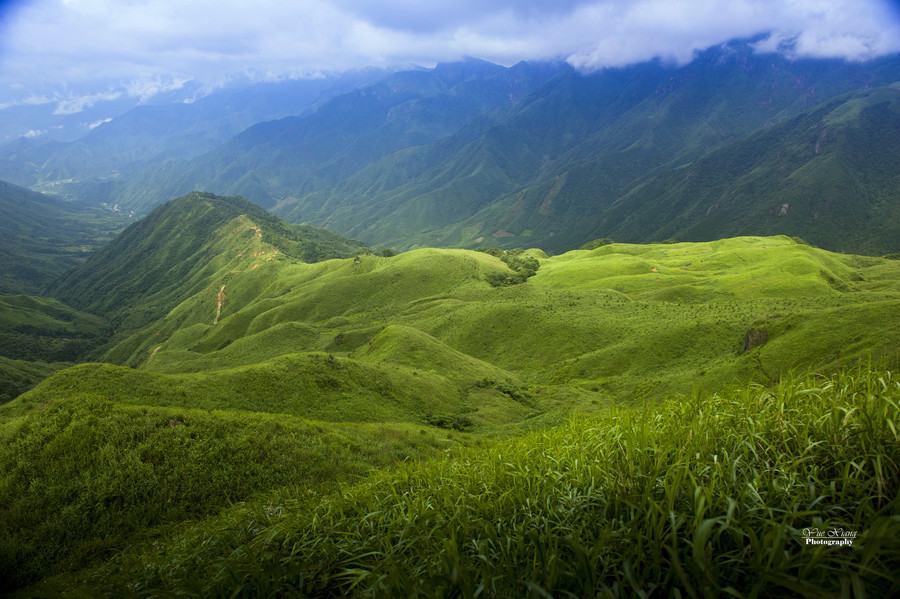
80 476
702 496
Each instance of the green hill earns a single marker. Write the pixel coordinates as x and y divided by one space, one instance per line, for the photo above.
242 372
39 335
167 256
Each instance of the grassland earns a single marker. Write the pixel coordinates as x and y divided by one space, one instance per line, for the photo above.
707 495
218 424
616 320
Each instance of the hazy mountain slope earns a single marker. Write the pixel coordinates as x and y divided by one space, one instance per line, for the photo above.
296 155
543 172
421 189
166 257
92 166
21 158
41 237
829 175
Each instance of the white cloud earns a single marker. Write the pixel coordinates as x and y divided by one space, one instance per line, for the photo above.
31 133
31 100
76 104
676 29
96 124
147 88
159 45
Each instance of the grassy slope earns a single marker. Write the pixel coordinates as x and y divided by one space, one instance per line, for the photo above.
39 335
167 256
383 347
704 496
82 474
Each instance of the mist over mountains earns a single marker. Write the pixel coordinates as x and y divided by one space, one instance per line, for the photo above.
538 154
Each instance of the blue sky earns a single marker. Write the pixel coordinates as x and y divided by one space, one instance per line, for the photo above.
68 54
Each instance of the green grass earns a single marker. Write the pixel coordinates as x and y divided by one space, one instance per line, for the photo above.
622 316
83 474
368 361
310 385
707 495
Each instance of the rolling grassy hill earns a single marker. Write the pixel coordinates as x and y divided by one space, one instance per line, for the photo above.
617 318
205 451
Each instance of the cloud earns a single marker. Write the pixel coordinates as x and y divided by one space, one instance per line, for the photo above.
147 88
838 30
150 46
96 124
676 29
31 133
31 100
76 104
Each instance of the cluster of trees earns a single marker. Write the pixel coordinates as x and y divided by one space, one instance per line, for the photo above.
522 265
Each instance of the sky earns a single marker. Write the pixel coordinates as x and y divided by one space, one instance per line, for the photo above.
71 54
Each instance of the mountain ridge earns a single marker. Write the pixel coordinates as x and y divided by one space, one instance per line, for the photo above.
473 153
178 244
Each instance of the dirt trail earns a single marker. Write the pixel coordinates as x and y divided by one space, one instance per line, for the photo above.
220 299
153 353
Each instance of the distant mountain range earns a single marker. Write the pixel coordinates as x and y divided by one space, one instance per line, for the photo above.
535 155
120 145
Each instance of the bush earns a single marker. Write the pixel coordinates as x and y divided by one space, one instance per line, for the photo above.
593 245
523 266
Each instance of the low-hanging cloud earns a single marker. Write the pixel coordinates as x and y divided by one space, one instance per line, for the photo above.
174 41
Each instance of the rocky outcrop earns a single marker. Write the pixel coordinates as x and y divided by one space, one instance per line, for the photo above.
756 336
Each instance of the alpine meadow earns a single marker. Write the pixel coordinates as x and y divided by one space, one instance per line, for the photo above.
464 331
